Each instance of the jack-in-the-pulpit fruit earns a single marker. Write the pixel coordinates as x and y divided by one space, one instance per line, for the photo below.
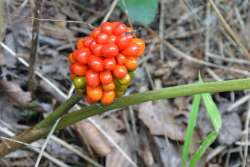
102 65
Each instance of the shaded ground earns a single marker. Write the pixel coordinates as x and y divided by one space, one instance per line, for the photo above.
152 133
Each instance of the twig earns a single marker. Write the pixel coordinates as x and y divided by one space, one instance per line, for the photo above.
46 142
112 7
244 163
35 40
239 102
74 150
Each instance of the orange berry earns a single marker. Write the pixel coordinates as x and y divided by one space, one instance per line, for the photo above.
95 93
141 45
131 63
135 48
108 97
89 100
71 58
108 87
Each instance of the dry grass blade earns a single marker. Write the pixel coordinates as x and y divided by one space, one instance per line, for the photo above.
46 142
35 44
112 7
230 31
244 162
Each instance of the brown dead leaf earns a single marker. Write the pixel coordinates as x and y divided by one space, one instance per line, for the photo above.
159 124
15 93
90 134
115 159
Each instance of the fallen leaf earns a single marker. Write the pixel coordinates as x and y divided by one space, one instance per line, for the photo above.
15 93
231 130
90 134
157 118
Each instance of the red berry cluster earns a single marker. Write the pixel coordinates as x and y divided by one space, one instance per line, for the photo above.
103 62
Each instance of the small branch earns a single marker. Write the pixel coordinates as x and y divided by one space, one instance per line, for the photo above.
34 43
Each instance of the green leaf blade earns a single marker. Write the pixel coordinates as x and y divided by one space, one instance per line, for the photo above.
212 111
142 11
190 129
203 147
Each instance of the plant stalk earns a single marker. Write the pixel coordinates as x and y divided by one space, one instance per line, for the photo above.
42 129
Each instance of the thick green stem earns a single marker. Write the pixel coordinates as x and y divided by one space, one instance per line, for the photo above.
164 93
62 109
186 90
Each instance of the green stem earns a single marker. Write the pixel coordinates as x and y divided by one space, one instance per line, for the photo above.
62 109
42 129
164 93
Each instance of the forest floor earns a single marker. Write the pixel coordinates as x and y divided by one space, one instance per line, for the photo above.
149 134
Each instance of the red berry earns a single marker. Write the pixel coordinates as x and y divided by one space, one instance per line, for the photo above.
78 69
95 93
81 55
83 42
120 71
131 63
95 63
97 49
110 50
119 29
123 41
109 63
121 59
106 77
102 38
108 97
92 45
92 78
107 28
95 32
111 39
